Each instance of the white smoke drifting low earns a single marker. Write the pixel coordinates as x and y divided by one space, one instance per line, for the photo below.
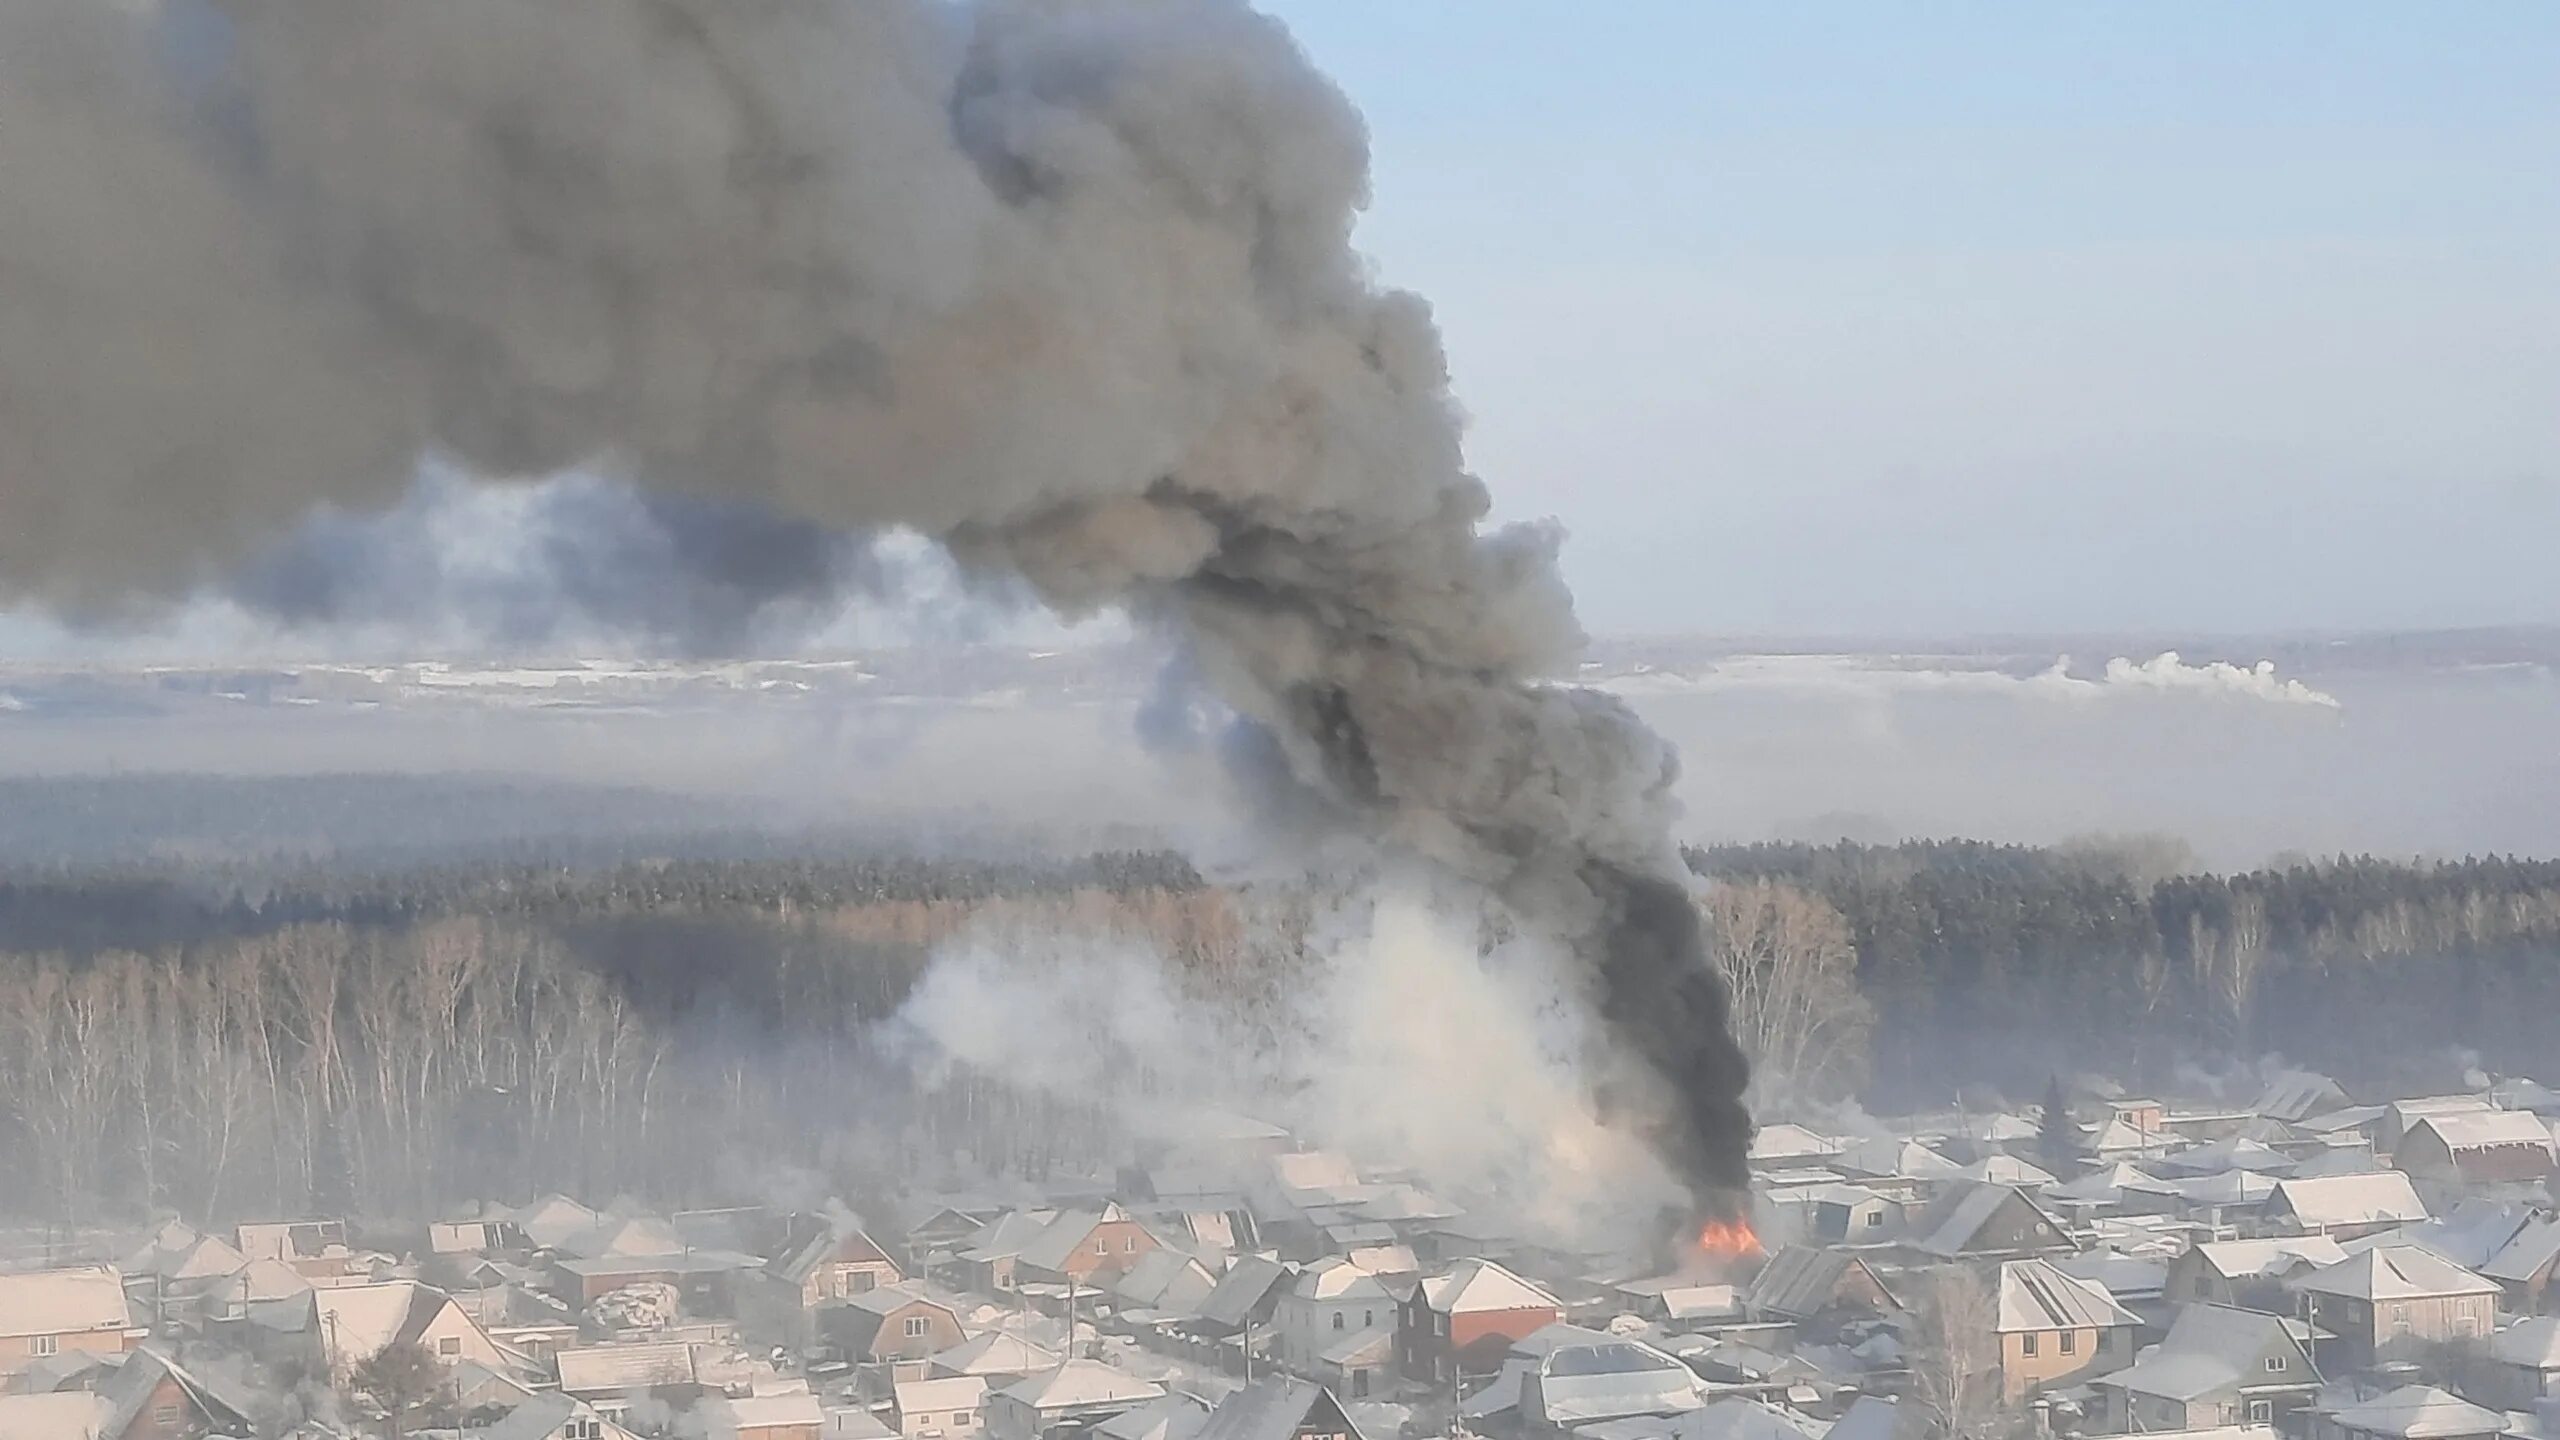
1396 1044
1856 676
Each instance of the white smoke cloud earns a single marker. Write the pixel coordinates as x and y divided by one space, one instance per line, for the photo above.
1861 676
1396 1043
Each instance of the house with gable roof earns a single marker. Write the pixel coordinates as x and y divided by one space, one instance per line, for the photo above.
1077 1395
151 1397
2474 1149
1980 1221
1085 1247
2248 1274
1328 1304
2392 1302
1279 1407
75 1307
2218 1366
346 1325
2412 1412
1463 1322
2056 1328
2521 1368
2343 1207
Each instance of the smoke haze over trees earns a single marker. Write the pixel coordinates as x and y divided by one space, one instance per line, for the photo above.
396 1039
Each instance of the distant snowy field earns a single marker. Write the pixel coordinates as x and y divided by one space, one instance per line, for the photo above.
2399 745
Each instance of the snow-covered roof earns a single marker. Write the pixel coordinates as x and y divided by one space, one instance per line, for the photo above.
1174 1416
65 1301
1784 1141
356 1321
1899 1159
947 1392
2534 1342
2007 1170
2253 1259
1337 1279
1959 1217
2378 1196
2533 1249
2034 1295
2394 1272
1474 1286
610 1369
1271 1408
1611 1379
68 1415
2297 1095
996 1352
1078 1383
2418 1412
729 1415
2482 1129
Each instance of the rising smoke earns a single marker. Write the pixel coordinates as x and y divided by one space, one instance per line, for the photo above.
1065 285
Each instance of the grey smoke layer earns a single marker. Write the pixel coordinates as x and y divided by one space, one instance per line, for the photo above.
1065 286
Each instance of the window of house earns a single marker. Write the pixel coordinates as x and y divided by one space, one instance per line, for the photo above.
586 1427
2070 1342
164 1415
1337 1319
43 1345
861 1281
2465 1325
964 1418
917 1325
1439 1324
1875 1218
1368 1318
1102 1246
2275 1364
2261 1411
2027 1344
448 1344
1128 1244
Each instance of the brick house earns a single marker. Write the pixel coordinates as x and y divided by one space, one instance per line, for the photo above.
1086 1247
45 1312
2057 1329
891 1333
1466 1321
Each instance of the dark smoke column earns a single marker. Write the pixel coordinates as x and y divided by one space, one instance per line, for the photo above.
1066 285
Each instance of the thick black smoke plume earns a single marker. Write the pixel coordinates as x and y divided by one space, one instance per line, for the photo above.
1066 285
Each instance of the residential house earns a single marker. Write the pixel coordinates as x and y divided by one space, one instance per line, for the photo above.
1166 1282
792 1415
1838 1214
2057 1329
2392 1301
2400 1116
989 1261
2218 1366
316 1249
2292 1095
150 1397
550 1222
1979 1221
1360 1364
2248 1274
2219 1202
1176 1416
2527 1267
552 1416
1801 1283
948 1407
1597 1381
891 1333
998 1357
2475 1149
814 1262
1328 1303
940 1236
349 1324
1791 1147
2521 1368
1889 1159
2412 1412
1279 1407
1077 1395
608 1376
2343 1207
77 1307
1463 1322
1246 1296
1089 1248
495 1235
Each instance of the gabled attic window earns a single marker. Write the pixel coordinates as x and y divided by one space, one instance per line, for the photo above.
2275 1364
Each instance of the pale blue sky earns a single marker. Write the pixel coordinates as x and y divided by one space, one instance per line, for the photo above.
1821 317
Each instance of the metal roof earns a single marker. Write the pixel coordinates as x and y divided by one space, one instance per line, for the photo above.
2034 1295
2380 1195
2394 1272
65 1301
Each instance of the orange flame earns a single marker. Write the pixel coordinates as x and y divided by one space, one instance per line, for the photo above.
1729 1239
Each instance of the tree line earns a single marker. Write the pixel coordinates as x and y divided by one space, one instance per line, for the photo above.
2089 957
